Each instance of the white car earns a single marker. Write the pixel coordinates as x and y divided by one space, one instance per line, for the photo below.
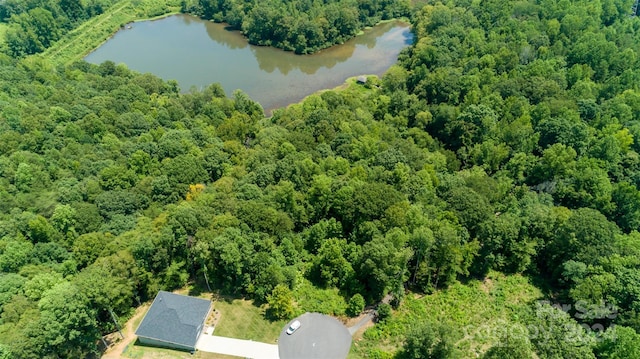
293 327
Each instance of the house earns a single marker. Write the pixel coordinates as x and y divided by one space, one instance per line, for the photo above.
362 80
174 321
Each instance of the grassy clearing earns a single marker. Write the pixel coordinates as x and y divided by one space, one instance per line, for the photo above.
241 319
476 311
137 351
91 34
238 308
350 85
312 299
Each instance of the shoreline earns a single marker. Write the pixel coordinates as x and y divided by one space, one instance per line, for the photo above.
347 84
124 15
124 27
398 19
54 54
394 31
94 32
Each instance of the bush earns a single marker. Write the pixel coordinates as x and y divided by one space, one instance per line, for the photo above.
325 301
384 312
428 341
379 354
280 303
355 305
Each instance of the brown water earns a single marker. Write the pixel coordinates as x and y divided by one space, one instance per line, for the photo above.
197 53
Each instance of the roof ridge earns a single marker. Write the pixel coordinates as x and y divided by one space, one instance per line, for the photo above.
173 308
181 319
174 318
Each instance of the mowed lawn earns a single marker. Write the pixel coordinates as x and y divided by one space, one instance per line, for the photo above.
239 319
242 320
137 351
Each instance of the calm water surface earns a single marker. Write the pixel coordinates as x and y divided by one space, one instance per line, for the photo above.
197 53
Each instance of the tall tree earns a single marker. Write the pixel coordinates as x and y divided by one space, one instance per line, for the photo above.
429 341
281 302
71 325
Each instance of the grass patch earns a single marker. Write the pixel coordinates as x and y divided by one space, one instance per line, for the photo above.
137 321
349 86
138 351
313 299
241 319
95 31
476 311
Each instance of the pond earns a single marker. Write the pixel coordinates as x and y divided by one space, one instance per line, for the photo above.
198 53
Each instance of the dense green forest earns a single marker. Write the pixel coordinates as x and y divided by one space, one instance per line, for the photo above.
504 140
303 26
34 25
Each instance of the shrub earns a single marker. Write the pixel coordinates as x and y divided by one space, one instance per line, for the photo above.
384 312
355 305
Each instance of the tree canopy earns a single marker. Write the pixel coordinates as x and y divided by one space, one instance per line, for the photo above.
502 140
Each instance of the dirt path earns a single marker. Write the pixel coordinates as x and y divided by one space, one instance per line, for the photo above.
368 318
115 351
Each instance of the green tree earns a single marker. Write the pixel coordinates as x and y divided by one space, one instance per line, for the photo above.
63 220
5 352
383 265
40 283
280 302
10 285
40 230
586 236
230 253
176 276
355 305
618 343
383 312
627 210
72 329
37 31
422 241
558 335
109 283
15 255
24 177
88 247
428 341
73 8
472 208
452 254
505 245
332 264
511 347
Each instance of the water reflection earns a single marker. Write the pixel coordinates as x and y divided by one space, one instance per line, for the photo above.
197 53
220 33
269 58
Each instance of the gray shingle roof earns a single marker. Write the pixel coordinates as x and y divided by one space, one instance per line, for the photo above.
174 318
